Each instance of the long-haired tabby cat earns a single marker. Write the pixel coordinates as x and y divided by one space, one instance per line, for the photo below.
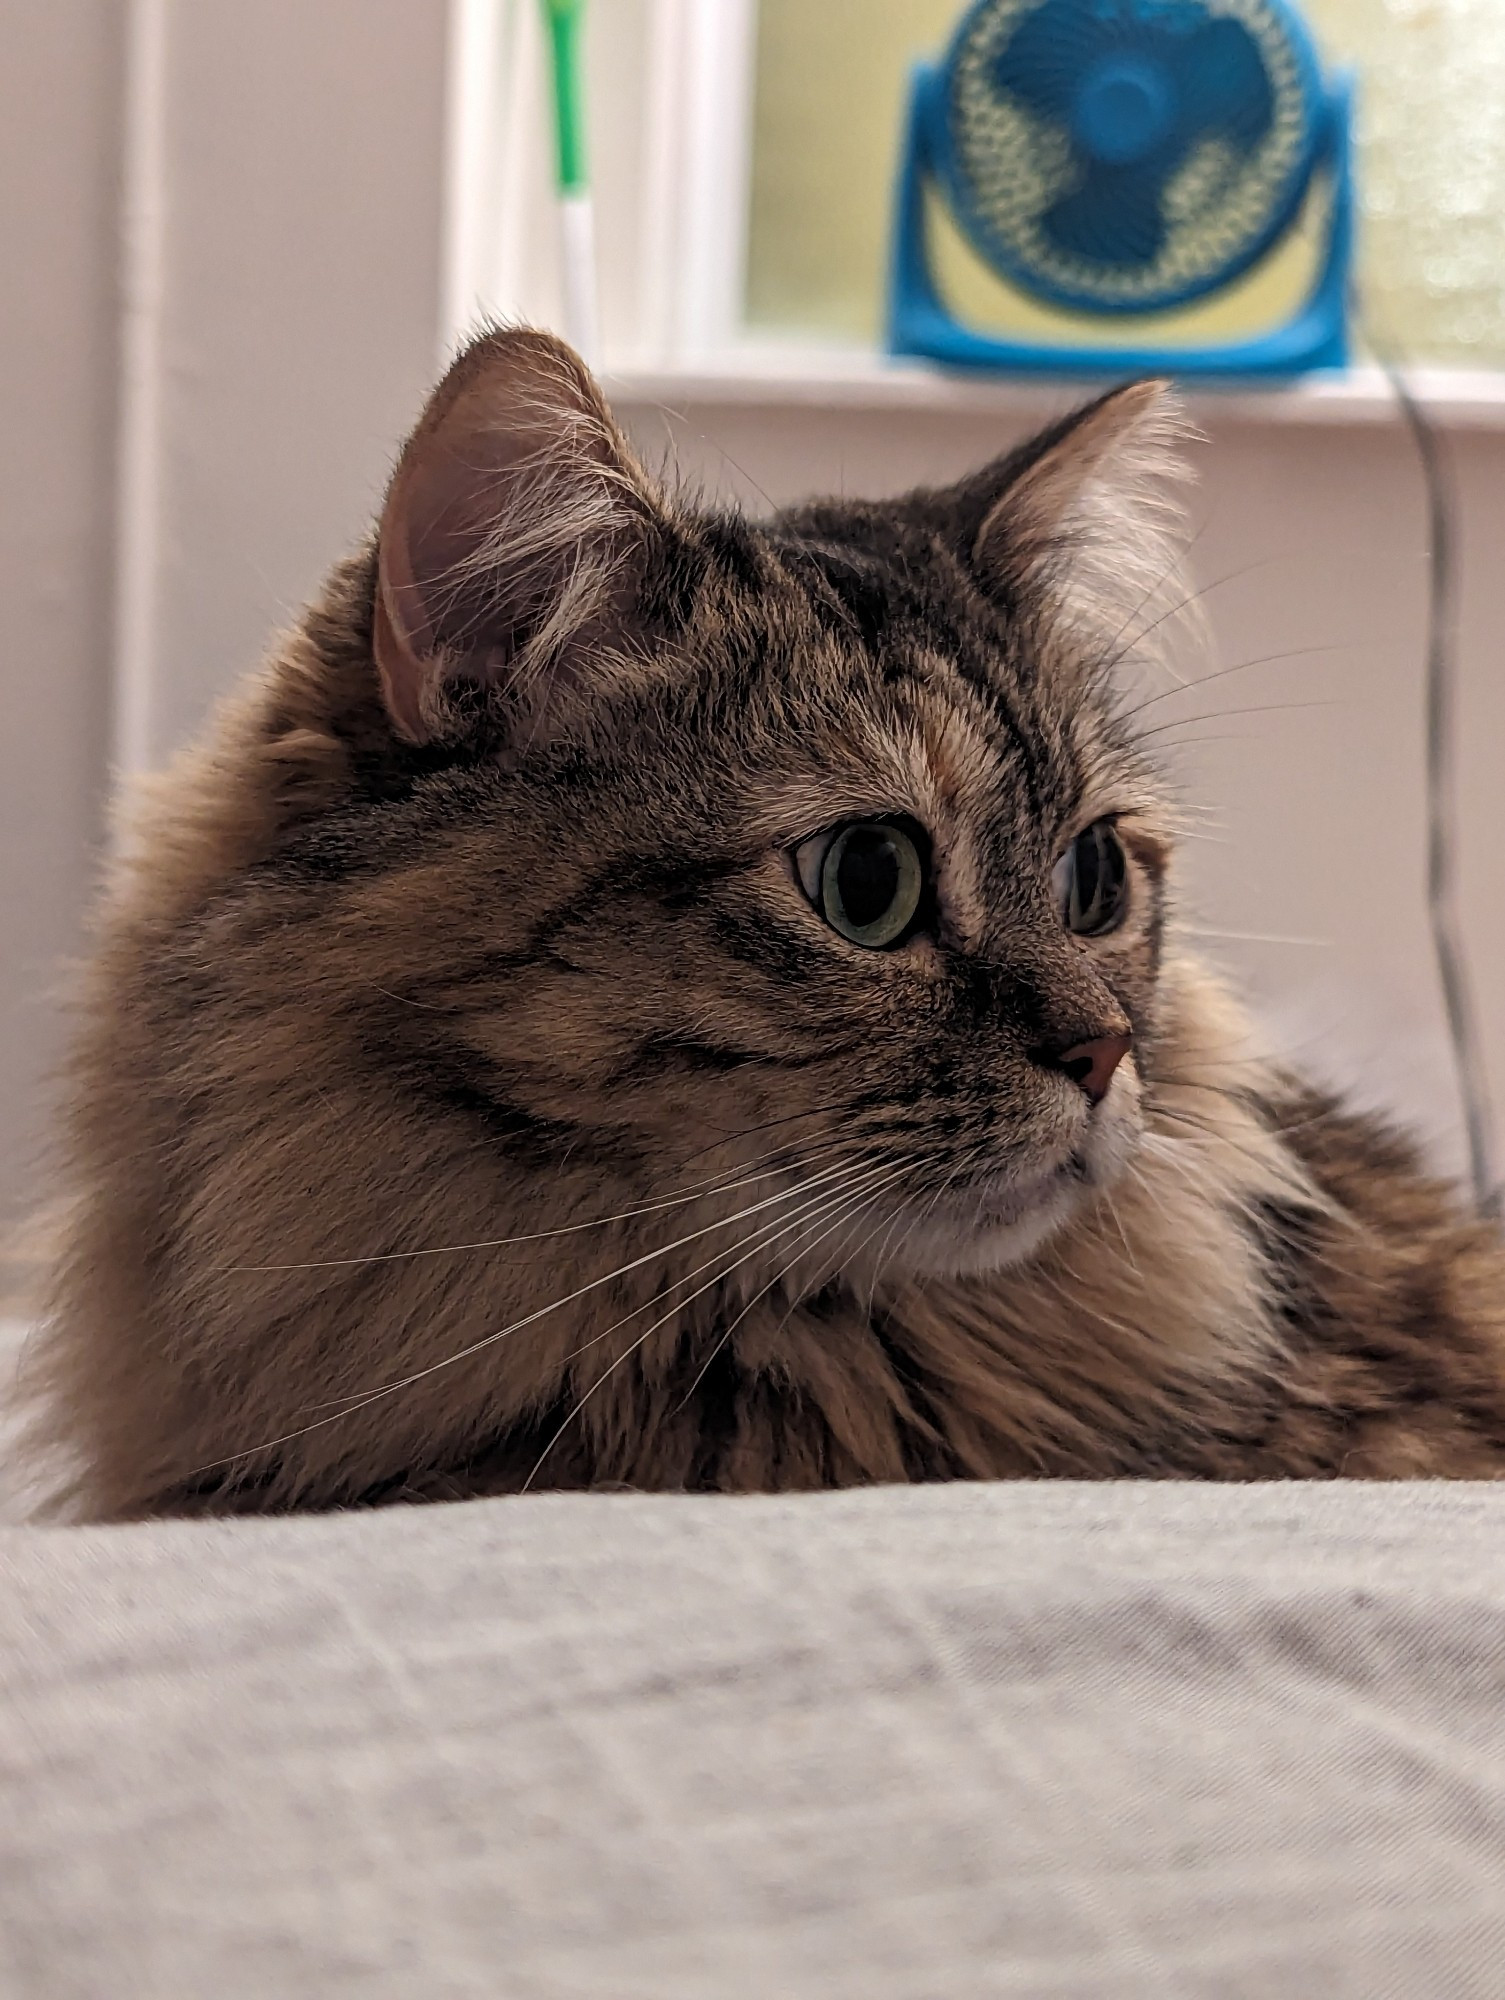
631 996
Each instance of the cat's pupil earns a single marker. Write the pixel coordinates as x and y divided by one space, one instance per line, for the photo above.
1089 872
1098 881
867 875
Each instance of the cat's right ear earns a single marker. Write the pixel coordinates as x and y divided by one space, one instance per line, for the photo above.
512 542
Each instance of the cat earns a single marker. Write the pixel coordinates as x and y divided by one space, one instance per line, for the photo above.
635 997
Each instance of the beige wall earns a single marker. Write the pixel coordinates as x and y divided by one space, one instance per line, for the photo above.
304 149
295 325
59 137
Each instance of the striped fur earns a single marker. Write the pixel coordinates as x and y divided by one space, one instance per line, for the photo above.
466 1097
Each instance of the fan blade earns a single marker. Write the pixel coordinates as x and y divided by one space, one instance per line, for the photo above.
1224 85
1114 217
1041 63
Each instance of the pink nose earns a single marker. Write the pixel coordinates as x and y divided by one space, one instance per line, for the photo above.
1091 1064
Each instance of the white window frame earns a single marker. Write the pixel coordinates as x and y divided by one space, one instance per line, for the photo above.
669 167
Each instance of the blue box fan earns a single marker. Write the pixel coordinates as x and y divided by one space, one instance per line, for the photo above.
1120 158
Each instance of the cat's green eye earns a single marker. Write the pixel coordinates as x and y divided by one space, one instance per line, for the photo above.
1092 881
867 880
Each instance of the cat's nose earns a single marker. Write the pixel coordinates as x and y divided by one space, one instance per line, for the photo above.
1091 1064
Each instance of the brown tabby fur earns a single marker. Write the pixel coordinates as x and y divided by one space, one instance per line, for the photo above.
473 924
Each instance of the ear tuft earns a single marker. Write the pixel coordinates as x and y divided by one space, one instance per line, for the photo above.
1093 523
513 536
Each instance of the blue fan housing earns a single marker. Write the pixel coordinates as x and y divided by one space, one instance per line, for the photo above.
1124 157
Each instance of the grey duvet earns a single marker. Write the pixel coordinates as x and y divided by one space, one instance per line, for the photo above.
1043 1740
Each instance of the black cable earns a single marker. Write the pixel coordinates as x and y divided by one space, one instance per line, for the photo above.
1441 701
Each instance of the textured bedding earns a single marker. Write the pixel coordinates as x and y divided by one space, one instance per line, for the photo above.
1044 1740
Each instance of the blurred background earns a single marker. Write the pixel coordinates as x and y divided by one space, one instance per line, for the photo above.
240 241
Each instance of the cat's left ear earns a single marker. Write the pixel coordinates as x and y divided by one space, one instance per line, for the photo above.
512 544
1091 504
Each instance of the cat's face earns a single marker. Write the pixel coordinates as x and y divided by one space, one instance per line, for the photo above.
812 856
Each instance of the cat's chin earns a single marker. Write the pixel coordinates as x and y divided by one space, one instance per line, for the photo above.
979 1239
992 1225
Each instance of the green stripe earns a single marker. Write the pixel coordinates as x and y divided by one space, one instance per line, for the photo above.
566 17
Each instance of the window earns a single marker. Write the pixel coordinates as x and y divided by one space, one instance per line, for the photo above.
744 158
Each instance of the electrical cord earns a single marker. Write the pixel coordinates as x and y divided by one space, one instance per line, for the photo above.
1441 702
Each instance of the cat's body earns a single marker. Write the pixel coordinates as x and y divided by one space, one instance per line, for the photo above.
487 1081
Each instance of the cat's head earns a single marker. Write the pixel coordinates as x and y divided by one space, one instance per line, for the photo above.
819 844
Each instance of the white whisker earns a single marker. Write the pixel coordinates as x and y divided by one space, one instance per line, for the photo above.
759 1239
762 1293
895 1174
529 1319
1253 937
1222 674
699 1190
915 1222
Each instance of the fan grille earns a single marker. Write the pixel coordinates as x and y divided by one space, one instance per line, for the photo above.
1140 244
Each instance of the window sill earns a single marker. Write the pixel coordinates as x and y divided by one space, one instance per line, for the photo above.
835 379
